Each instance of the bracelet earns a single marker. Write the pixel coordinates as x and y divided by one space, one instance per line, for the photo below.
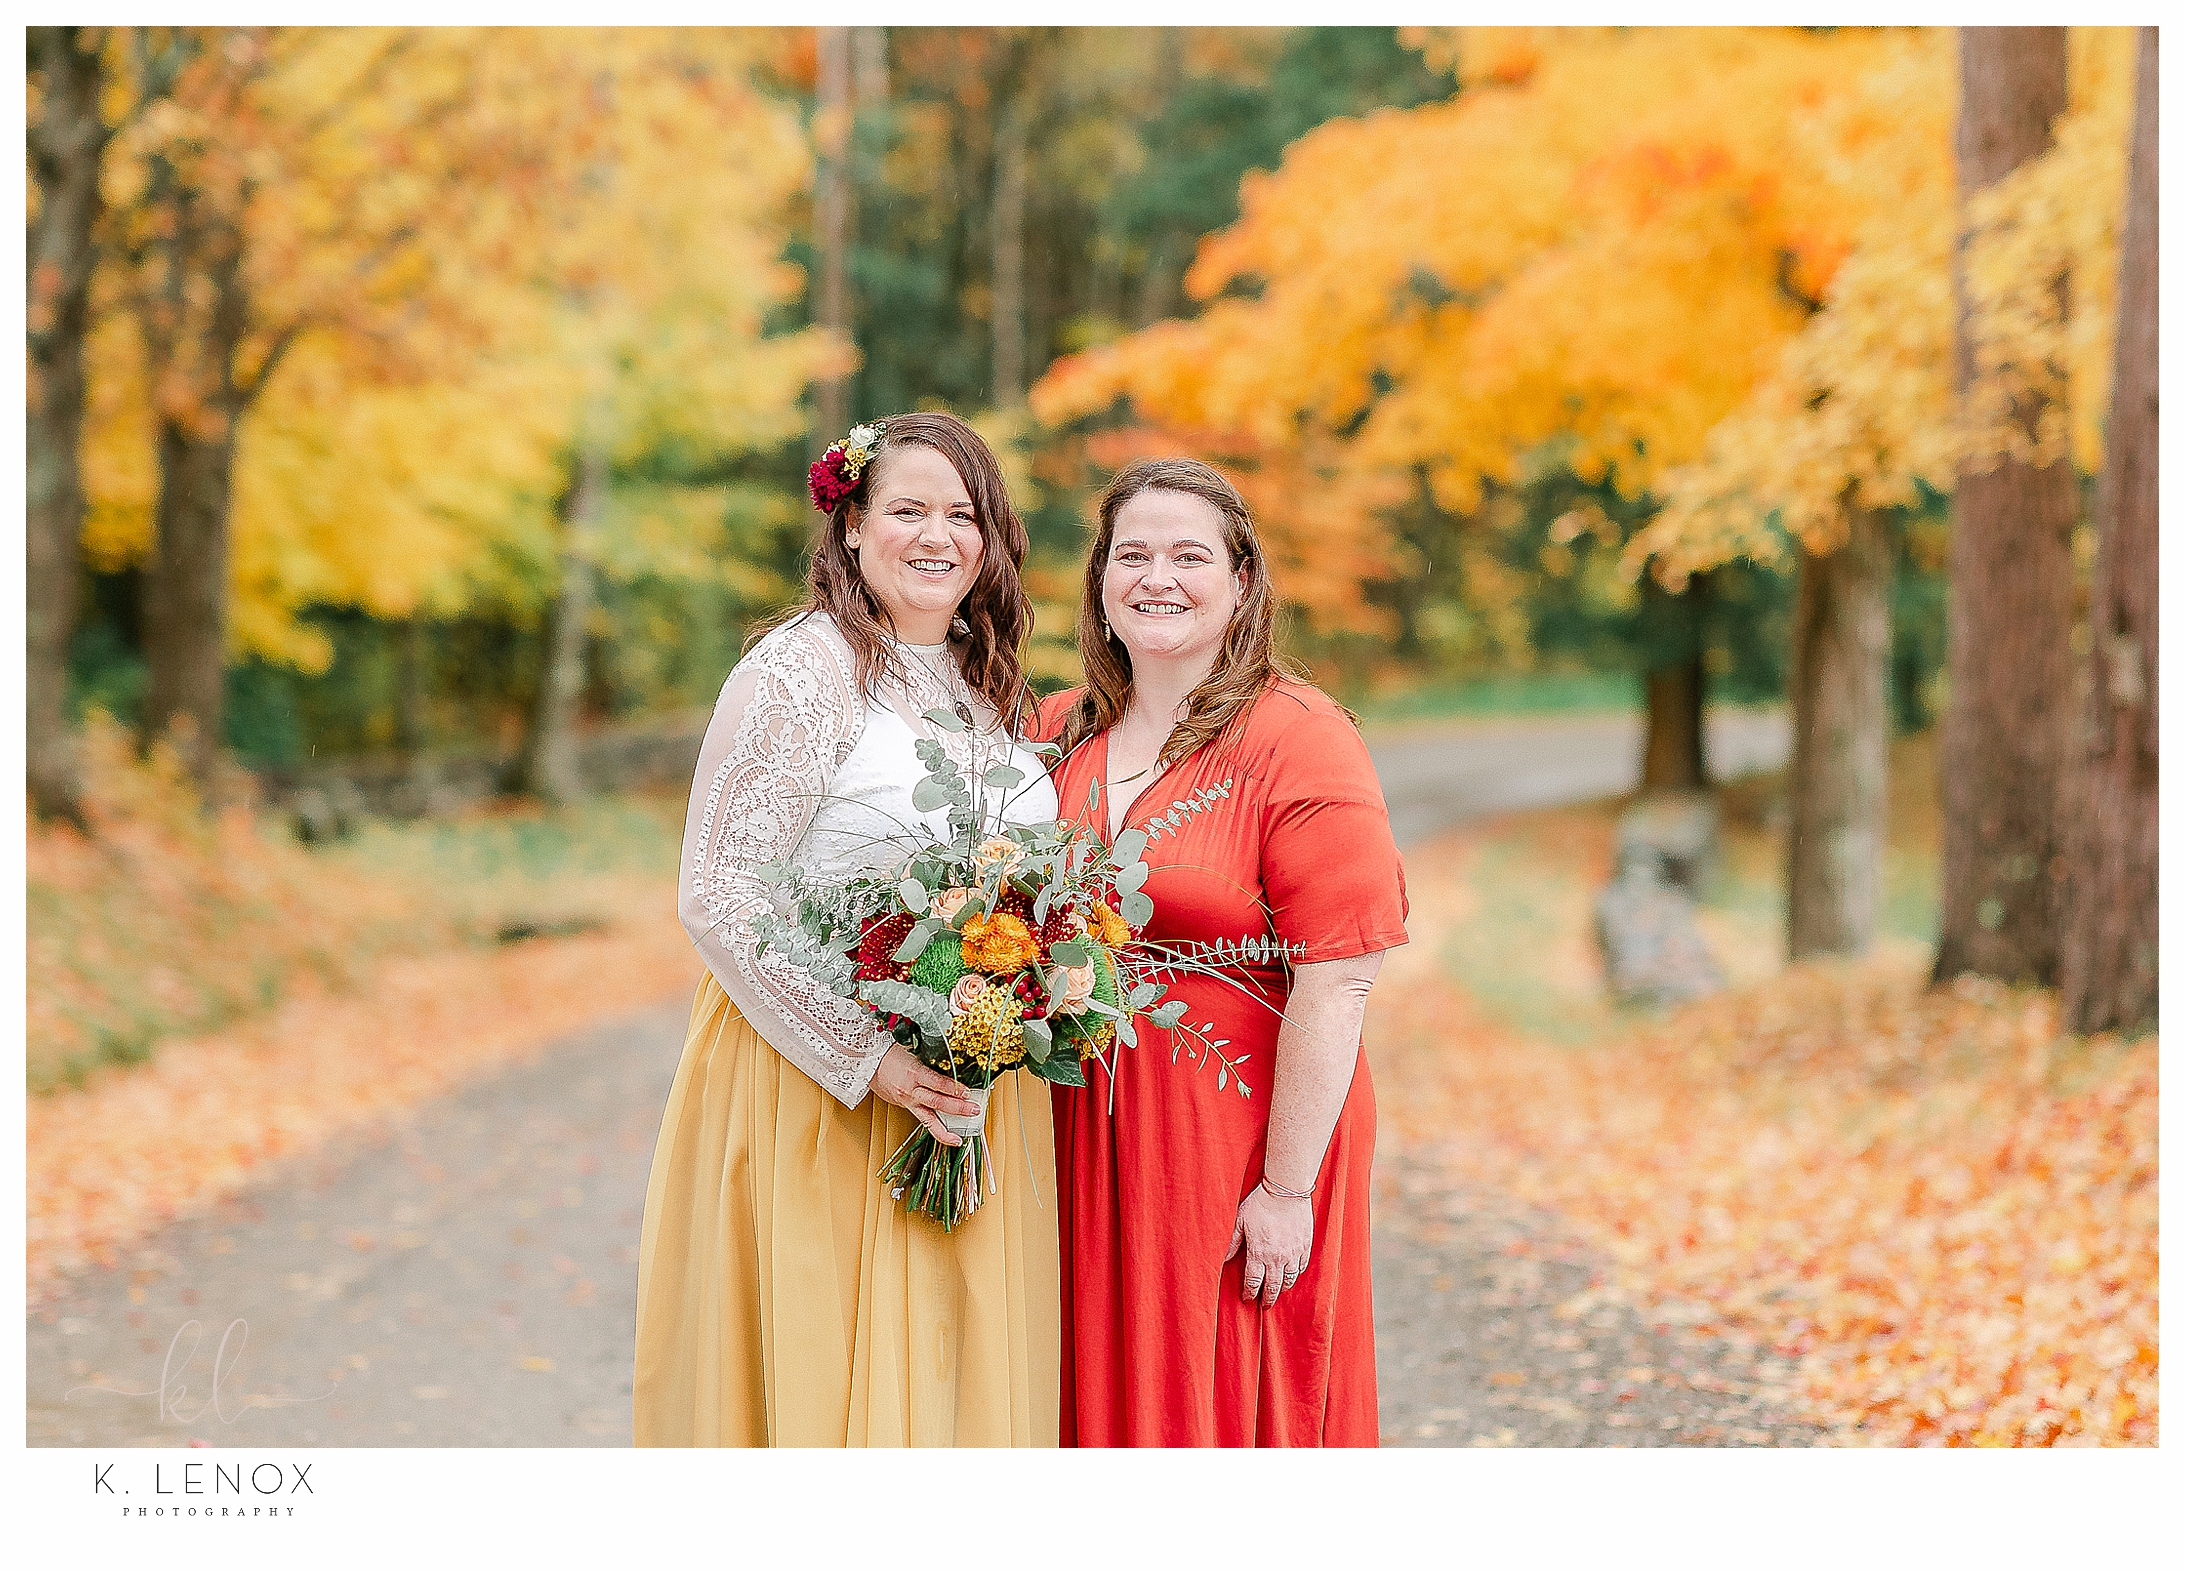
1286 1194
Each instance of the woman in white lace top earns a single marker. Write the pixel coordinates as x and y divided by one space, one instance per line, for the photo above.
784 1296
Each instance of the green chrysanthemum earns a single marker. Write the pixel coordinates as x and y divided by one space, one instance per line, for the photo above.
1106 988
940 964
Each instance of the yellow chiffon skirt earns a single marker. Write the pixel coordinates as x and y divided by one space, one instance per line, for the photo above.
785 1299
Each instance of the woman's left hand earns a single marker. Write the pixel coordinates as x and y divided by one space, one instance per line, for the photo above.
1276 1233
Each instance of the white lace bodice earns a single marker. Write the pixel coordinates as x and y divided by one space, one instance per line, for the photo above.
797 765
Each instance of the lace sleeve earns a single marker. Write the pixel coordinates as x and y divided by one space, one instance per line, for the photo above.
787 717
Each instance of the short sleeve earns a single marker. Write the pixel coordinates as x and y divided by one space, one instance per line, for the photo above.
1333 878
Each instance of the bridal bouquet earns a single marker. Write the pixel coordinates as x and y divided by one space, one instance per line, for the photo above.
1003 948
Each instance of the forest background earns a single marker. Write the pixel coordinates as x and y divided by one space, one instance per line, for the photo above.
403 396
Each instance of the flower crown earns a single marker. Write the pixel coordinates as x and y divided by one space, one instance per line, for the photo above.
834 477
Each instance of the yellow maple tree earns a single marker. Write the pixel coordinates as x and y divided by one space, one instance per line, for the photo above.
1861 406
598 219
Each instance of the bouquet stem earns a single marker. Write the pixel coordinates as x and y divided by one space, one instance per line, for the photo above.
941 1182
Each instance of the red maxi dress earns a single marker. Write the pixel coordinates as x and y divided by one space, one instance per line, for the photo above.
1277 830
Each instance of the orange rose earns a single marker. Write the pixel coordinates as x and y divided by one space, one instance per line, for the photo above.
998 942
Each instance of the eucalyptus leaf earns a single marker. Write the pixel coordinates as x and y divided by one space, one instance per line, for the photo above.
1168 1015
1144 994
1069 953
1129 847
1125 1030
1132 878
1039 1040
920 936
913 894
946 720
929 794
1004 777
928 1009
1137 909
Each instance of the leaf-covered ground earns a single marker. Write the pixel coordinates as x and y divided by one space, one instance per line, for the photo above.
1937 1209
272 997
1927 1215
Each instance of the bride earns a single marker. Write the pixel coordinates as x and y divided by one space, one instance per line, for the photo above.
784 1297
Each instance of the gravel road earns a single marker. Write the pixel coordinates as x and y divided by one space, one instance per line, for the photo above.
466 1276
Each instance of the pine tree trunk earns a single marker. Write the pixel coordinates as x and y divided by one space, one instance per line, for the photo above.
832 216
2004 730
1839 692
2110 921
1674 757
548 768
1008 256
66 145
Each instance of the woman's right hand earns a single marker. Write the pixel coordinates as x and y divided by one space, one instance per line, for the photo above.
925 1092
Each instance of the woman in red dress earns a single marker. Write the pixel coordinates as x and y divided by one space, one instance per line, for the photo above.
1217 1271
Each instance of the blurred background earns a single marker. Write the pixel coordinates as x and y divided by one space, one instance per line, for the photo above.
417 425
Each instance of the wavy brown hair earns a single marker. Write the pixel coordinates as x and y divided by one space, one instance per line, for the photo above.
1248 664
996 609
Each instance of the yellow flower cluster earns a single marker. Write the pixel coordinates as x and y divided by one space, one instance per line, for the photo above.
991 1033
998 942
1096 1044
1109 929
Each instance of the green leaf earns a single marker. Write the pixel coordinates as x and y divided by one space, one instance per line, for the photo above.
1039 1040
913 894
1132 878
1126 1031
1168 1015
1137 909
946 720
1004 776
1063 1070
1069 953
1129 847
928 1009
1144 994
930 793
920 936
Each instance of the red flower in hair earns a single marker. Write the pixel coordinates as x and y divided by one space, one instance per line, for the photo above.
830 482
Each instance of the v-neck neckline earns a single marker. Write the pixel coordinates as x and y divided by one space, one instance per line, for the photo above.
1107 816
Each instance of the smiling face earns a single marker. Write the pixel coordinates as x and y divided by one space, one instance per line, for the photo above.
917 541
1170 588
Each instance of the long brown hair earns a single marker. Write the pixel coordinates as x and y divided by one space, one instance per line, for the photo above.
1247 665
997 611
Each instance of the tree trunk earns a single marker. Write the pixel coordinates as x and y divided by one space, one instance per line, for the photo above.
1674 758
869 67
410 657
2109 961
186 595
548 768
832 217
1010 136
1839 692
2004 731
66 146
